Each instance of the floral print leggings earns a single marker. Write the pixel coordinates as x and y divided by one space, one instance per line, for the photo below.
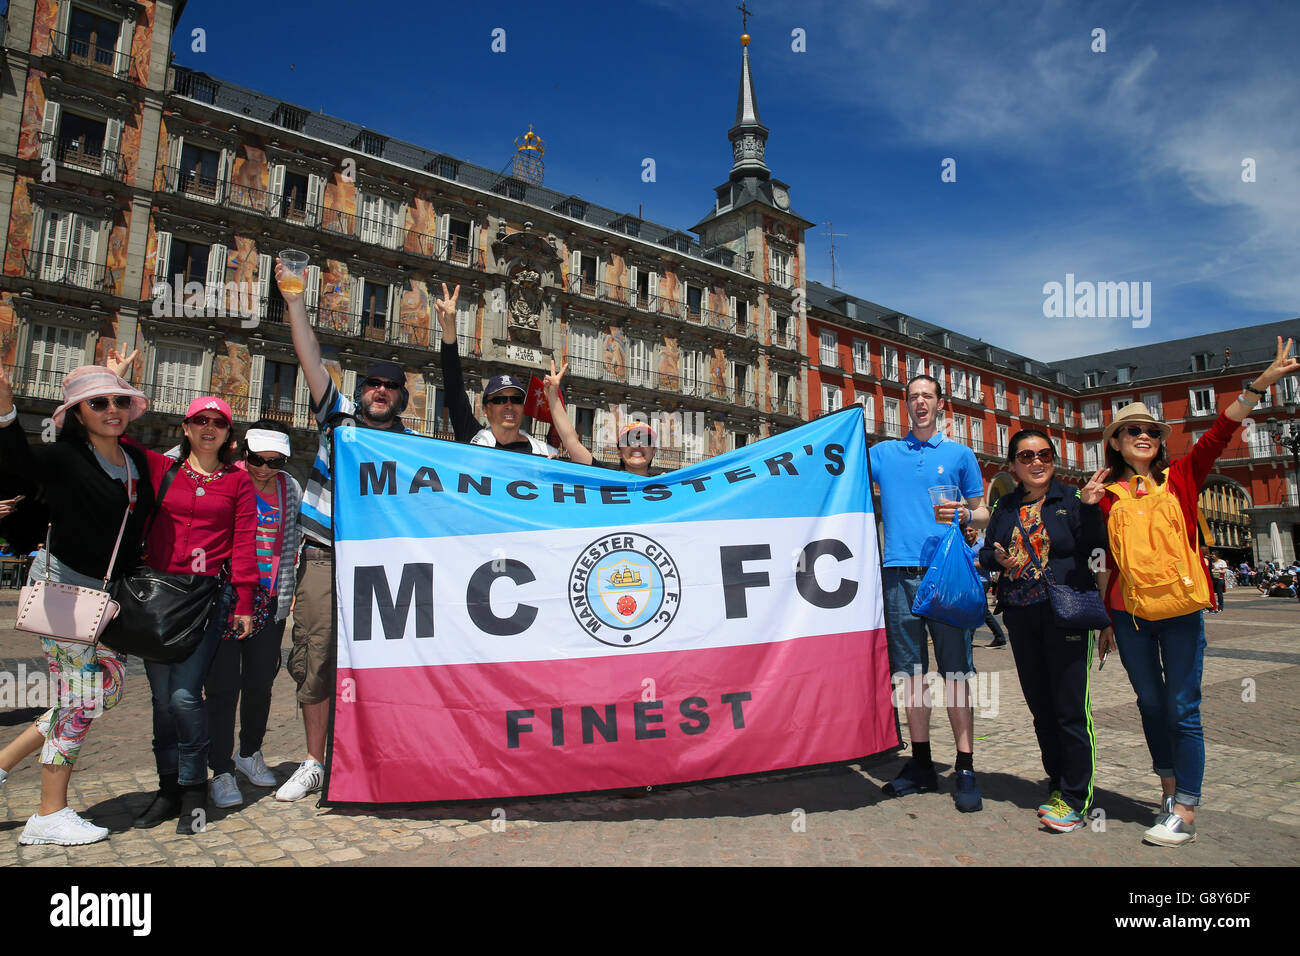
85 682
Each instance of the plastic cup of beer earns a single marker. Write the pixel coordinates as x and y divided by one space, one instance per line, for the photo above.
941 495
295 271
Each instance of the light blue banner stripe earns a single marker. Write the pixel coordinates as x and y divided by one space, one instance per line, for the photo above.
827 456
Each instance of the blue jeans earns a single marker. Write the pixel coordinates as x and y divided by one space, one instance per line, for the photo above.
1164 660
909 654
180 717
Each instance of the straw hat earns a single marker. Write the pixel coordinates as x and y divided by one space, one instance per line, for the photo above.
92 381
1135 413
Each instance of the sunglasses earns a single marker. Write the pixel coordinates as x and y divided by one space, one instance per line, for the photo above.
382 383
1133 431
100 403
506 400
258 461
205 421
1045 455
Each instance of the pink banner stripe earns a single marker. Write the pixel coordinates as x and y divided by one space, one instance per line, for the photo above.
446 733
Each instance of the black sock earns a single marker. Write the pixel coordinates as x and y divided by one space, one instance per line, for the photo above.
965 761
921 754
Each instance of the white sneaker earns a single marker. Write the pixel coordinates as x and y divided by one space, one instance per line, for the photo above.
308 778
1170 830
255 769
225 792
63 828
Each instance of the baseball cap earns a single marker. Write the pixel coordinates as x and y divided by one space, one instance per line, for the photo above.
210 403
499 383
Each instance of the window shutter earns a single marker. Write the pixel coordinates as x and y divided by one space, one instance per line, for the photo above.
264 272
301 402
311 290
392 320
82 243
444 235
58 235
174 147
49 128
255 374
275 201
653 286
112 143
349 382
315 198
164 244
356 292
631 287
216 277
473 245
225 164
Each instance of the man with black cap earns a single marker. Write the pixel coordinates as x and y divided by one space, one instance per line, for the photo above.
503 399
378 402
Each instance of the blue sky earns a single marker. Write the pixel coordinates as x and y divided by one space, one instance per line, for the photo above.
1117 166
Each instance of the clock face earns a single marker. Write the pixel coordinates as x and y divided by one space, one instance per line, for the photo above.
780 197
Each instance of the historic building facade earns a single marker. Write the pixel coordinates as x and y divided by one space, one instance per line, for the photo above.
144 202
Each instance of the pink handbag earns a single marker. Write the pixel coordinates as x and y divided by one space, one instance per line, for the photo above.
67 611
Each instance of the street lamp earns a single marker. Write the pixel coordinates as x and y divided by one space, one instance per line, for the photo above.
1287 438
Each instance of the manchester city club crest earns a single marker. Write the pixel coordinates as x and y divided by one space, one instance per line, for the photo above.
624 589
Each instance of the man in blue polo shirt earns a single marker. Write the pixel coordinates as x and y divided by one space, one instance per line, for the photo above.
905 471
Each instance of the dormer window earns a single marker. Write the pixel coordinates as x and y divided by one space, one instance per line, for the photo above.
1091 379
1201 362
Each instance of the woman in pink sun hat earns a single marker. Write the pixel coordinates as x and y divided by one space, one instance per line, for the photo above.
90 481
205 523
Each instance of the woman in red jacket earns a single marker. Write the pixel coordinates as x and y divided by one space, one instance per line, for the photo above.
207 517
1160 587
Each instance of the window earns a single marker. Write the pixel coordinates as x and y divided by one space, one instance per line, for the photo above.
640 363
1201 362
1117 403
198 172
868 403
1122 374
937 373
583 346
959 428
644 284
828 352
189 260
1091 455
781 268
294 204
688 370
380 221
1152 401
69 249
784 396
93 42
694 300
832 398
1288 389
374 309
52 353
976 390
1092 414
960 383
1072 453
1091 379
1037 409
889 363
177 378
279 380
915 366
1003 438
81 141
458 242
740 383
1026 410
1201 400
891 418
861 357
1054 409
783 330
1000 396
1069 414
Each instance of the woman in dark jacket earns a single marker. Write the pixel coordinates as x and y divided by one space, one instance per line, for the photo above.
1062 525
90 480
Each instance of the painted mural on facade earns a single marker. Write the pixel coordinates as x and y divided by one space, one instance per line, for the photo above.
614 354
421 228
334 297
669 364
231 374
20 228
414 317
249 176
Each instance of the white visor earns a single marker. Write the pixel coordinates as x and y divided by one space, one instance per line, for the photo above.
261 440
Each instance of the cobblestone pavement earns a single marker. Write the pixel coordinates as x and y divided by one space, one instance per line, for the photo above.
833 815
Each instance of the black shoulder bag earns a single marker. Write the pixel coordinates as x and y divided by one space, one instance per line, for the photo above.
162 617
1074 610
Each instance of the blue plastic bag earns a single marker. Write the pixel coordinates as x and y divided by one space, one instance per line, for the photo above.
951 591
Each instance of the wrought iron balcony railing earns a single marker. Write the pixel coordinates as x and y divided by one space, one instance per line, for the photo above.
63 270
76 153
101 59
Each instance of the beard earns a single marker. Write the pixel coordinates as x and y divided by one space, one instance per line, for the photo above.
383 416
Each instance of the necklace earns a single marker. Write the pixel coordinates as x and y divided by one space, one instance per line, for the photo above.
200 479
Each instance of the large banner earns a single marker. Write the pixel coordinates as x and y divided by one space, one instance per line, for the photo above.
512 626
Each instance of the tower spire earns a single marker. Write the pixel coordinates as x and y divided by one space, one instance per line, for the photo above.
748 136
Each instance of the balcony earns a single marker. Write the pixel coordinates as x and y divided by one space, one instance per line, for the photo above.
62 270
785 340
86 156
193 184
104 60
788 405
